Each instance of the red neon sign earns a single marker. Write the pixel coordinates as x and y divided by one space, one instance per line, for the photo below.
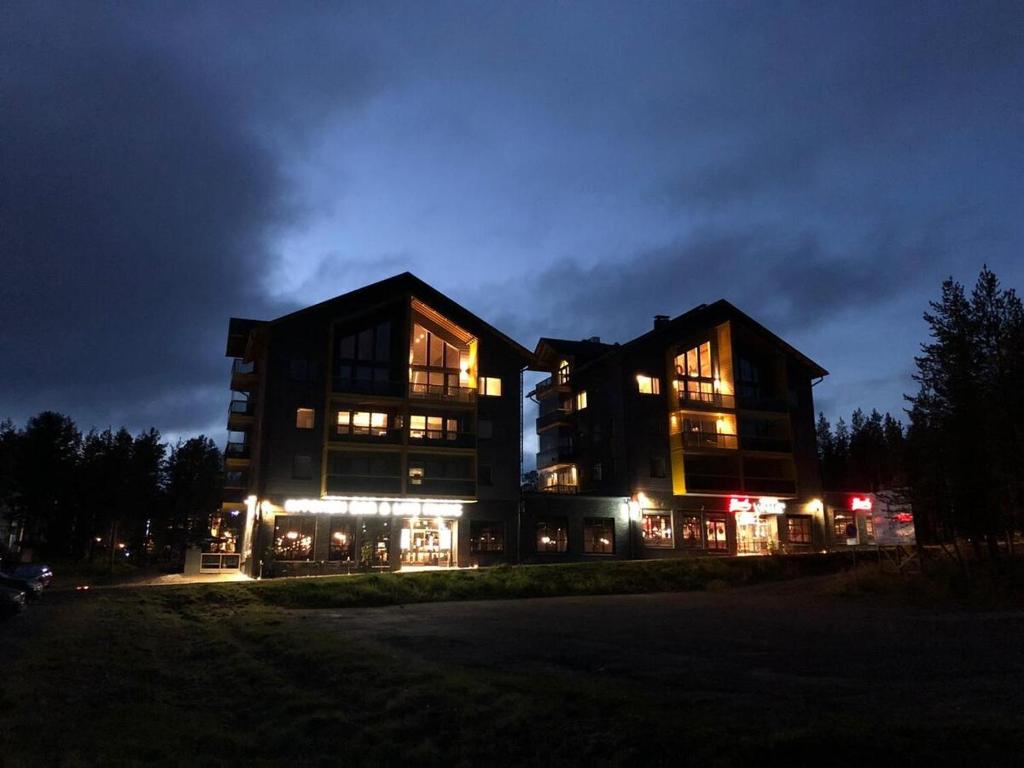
860 502
737 504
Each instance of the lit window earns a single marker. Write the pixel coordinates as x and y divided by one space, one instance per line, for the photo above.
415 474
552 535
486 536
599 535
293 537
490 386
362 423
799 529
433 427
648 385
715 531
581 400
656 530
304 418
342 541
689 531
695 366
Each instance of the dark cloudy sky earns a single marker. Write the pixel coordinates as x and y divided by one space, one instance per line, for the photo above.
562 168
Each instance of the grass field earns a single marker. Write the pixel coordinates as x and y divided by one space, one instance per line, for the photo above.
231 675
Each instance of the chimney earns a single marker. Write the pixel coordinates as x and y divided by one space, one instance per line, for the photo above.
660 321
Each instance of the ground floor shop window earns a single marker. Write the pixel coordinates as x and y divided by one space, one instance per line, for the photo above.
869 526
599 535
714 529
845 529
342 541
756 534
656 529
553 535
375 536
486 536
799 529
427 541
689 531
293 537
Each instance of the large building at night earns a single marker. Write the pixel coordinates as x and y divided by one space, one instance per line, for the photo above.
696 437
379 429
383 429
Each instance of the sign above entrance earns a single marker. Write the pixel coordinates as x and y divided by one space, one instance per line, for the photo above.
765 505
375 506
860 502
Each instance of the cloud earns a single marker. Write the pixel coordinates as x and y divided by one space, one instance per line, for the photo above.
139 198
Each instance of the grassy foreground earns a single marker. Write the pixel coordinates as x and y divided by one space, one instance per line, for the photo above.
508 582
230 674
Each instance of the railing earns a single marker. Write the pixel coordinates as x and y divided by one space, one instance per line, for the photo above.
241 408
438 438
237 451
367 386
216 562
716 399
236 480
240 367
558 379
442 392
709 440
556 416
557 455
557 488
774 444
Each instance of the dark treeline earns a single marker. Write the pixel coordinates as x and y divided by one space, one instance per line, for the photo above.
960 457
107 493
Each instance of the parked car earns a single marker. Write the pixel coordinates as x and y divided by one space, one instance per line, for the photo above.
12 601
37 571
33 588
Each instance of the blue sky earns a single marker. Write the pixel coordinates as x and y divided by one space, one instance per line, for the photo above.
560 168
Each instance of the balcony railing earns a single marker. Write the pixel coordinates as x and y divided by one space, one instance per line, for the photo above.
234 480
557 416
436 438
709 440
236 451
442 392
242 407
715 399
243 374
557 488
558 379
241 367
558 455
774 444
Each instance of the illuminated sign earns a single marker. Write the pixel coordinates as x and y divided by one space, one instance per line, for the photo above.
765 505
769 505
368 507
860 502
740 505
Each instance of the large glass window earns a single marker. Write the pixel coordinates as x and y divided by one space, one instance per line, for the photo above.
581 400
648 385
486 536
449 475
689 531
553 535
363 360
342 541
599 535
702 430
293 537
656 529
714 529
373 423
799 529
695 374
436 365
423 427
353 472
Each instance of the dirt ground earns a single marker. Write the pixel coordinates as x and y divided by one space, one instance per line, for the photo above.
780 673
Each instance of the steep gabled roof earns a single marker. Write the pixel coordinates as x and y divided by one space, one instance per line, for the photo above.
404 285
583 351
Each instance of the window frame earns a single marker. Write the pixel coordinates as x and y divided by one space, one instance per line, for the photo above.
305 521
663 542
653 384
559 545
588 541
475 528
300 421
487 387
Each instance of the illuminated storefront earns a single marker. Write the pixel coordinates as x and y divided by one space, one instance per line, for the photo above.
757 526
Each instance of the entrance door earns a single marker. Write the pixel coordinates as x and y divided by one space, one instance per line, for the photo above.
428 542
756 534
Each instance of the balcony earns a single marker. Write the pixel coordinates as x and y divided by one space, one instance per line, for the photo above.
442 392
713 440
711 399
243 375
241 414
559 489
237 451
767 444
433 438
557 382
551 418
552 456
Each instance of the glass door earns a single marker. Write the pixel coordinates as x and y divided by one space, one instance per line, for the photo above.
428 542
